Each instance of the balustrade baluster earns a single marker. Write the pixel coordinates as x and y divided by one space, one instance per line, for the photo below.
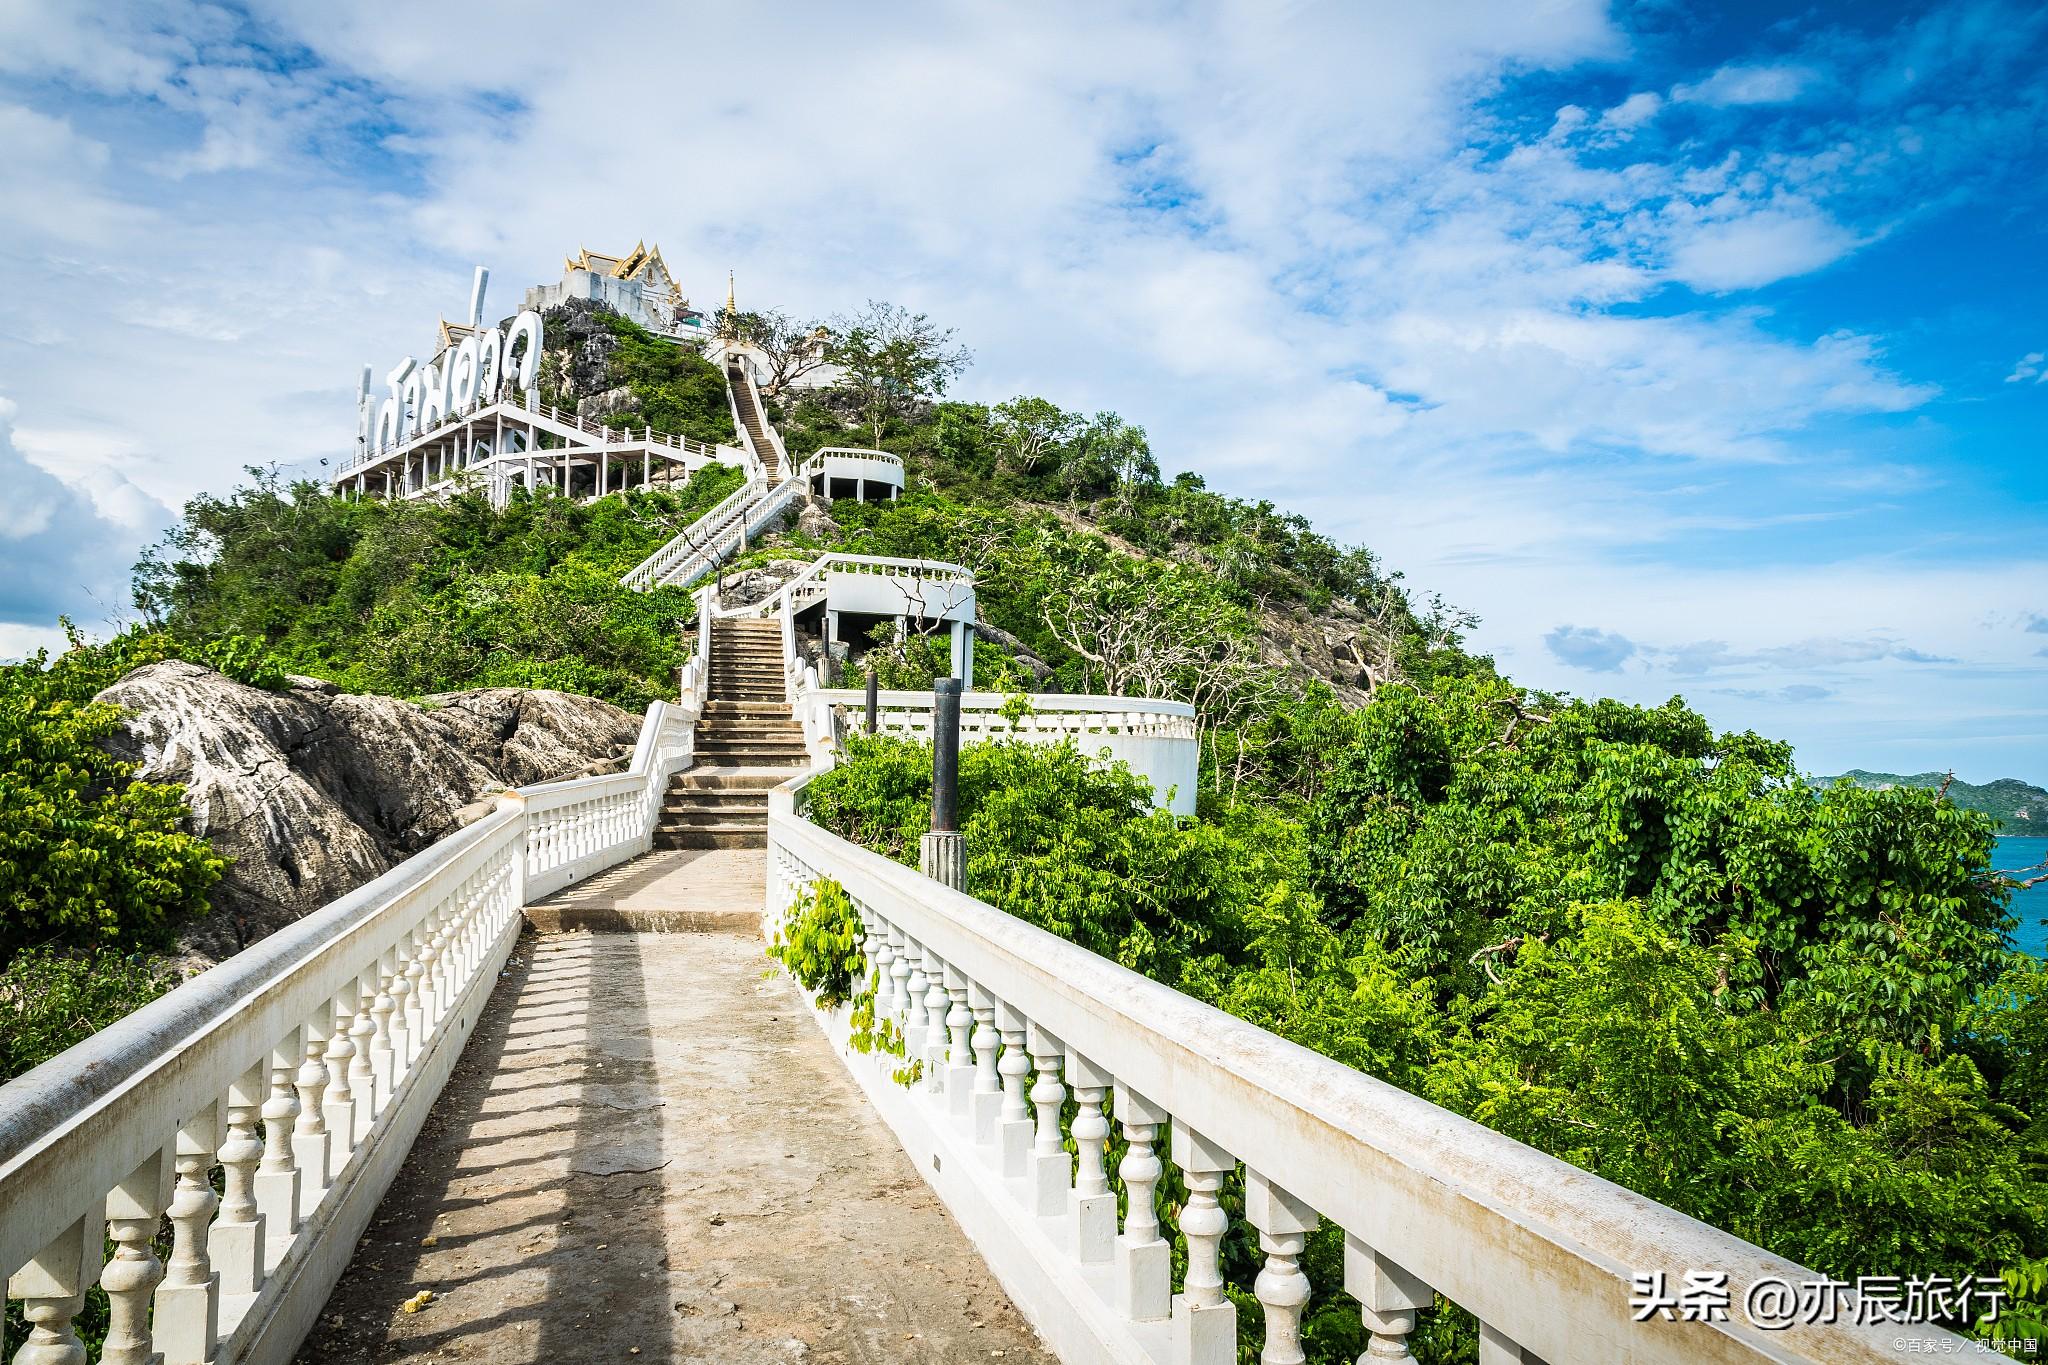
1284 1223
384 1016
960 1060
433 942
1094 1205
1144 1261
1051 1171
937 1004
134 1208
52 1290
882 955
339 1107
362 1074
239 1233
400 991
1387 1299
1013 1122
1204 1322
277 1177
312 1150
915 985
1498 1348
416 1022
987 1103
187 1311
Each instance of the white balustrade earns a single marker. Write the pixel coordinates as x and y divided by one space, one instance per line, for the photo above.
304 1067
1156 738
1429 1203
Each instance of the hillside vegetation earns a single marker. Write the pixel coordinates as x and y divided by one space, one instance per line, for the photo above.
2019 808
1606 930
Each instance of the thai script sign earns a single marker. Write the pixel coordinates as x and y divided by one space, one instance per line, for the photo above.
489 364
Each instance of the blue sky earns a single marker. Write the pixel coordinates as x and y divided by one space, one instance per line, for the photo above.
1699 349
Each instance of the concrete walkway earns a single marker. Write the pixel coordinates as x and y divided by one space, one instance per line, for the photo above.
689 890
649 1152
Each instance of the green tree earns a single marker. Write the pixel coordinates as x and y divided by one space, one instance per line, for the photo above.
894 360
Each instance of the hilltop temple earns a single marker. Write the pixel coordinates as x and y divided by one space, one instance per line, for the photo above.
637 285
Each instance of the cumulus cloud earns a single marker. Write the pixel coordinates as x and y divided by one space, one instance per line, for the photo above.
63 555
1740 84
1596 651
1759 248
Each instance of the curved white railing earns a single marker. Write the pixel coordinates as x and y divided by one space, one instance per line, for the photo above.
304 1067
1545 1255
851 462
1156 739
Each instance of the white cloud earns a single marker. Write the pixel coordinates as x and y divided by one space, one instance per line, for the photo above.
1740 84
2030 366
1759 248
1633 112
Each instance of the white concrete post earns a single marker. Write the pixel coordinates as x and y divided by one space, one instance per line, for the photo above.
882 955
1387 1299
1144 1261
277 1177
960 1060
400 991
187 1315
1498 1348
239 1233
1284 1223
134 1208
1204 1322
1051 1171
311 1146
1013 1120
339 1108
52 1290
362 1076
1094 1206
986 1105
937 1005
917 985
416 1021
383 1012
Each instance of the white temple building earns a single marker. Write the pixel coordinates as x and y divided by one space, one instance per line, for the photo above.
637 286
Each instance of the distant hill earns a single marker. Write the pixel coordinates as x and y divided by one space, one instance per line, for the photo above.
2020 807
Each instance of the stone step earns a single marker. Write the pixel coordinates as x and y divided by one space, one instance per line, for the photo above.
738 803
717 709
751 753
698 781
697 838
726 726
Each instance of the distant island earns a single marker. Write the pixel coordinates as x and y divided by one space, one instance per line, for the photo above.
2019 807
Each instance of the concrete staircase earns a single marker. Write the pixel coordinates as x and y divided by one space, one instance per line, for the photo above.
750 416
747 743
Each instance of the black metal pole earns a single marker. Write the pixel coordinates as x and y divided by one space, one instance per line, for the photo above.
874 700
945 755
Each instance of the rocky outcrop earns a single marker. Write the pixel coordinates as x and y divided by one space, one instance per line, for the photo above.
312 791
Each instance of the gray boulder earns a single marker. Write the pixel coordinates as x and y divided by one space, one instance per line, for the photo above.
312 791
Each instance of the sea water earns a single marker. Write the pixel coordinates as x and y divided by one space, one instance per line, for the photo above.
2031 905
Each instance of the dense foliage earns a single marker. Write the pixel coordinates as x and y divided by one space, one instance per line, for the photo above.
88 858
414 598
1603 930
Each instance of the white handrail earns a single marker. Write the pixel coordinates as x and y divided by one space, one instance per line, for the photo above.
526 414
696 539
825 565
1541 1252
337 1032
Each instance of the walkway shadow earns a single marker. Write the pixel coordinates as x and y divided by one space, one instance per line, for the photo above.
531 1206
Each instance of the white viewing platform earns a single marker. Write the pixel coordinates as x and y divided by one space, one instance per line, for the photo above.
634 1150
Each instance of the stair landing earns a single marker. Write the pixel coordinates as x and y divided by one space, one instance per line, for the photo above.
669 891
648 1152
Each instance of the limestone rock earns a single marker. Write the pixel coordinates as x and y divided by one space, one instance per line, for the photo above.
815 519
312 791
749 586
